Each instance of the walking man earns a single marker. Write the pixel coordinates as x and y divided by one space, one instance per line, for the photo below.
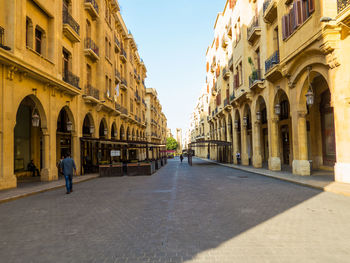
67 167
181 157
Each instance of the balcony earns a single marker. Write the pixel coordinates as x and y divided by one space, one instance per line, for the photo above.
225 73
71 28
124 84
92 7
117 76
91 50
137 98
118 107
272 72
253 30
90 91
230 63
224 41
124 111
270 11
71 79
116 44
123 55
343 11
255 80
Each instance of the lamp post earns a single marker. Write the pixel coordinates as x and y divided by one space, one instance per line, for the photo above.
278 109
245 121
92 129
236 124
35 119
69 126
258 116
105 131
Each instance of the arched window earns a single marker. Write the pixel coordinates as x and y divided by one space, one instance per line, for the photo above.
29 32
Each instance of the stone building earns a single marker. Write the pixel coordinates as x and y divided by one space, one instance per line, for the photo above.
278 84
179 139
71 80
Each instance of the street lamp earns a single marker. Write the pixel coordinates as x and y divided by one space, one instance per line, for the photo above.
115 134
245 121
310 97
236 124
277 109
69 126
92 129
35 119
105 131
258 115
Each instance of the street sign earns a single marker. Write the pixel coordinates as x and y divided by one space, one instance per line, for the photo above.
115 153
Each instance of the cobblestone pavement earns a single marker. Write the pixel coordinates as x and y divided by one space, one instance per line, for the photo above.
203 213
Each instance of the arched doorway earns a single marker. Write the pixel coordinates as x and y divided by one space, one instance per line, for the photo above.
247 151
103 147
65 126
262 131
89 147
114 131
103 130
28 139
122 133
282 111
237 138
319 122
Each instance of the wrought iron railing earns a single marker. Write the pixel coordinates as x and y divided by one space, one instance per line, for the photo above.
342 4
117 106
253 25
272 61
124 53
90 44
124 111
255 76
116 41
124 82
117 74
69 20
91 91
94 4
71 79
266 5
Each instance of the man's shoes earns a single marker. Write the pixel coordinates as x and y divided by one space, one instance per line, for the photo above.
71 190
67 193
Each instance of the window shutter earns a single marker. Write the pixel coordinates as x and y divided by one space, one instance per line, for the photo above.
295 16
284 35
290 23
299 12
305 11
311 4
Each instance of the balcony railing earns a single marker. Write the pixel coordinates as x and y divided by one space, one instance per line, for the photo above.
124 82
232 97
117 74
266 5
254 25
68 19
124 111
342 4
91 91
255 76
116 41
117 106
272 61
94 4
123 54
90 44
71 79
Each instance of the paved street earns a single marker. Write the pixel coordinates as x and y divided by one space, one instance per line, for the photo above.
203 213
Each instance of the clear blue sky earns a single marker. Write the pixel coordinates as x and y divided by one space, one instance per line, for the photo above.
172 37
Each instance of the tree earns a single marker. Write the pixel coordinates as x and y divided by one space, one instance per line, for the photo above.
171 143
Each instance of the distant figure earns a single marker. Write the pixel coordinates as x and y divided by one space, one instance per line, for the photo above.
32 168
59 163
181 157
67 167
238 157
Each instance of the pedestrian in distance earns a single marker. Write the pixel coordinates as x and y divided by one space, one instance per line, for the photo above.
32 168
181 157
68 168
59 165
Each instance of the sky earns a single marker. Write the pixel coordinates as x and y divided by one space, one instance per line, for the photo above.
172 39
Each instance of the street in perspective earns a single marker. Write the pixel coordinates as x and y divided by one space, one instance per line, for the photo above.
174 131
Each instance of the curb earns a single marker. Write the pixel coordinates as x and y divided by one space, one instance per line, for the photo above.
322 188
9 199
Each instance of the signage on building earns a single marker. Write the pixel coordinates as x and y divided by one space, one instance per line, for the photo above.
115 153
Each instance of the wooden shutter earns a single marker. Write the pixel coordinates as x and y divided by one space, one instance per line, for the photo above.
305 11
284 35
299 12
311 4
295 16
228 95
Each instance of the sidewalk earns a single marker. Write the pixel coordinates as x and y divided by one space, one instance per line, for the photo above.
322 182
28 189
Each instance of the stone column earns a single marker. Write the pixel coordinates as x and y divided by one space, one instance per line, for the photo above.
301 165
76 151
257 157
235 145
244 148
274 159
45 171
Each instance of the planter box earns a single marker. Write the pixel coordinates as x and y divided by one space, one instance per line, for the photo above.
139 169
111 170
